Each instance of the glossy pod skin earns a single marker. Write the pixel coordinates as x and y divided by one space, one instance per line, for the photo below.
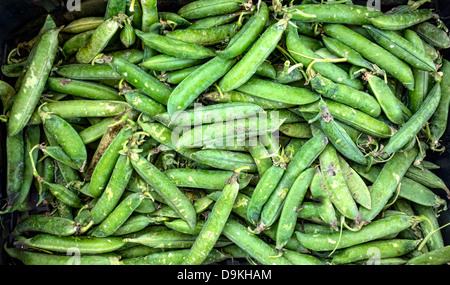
399 21
202 9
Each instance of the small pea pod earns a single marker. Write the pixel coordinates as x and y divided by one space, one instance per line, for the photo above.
127 35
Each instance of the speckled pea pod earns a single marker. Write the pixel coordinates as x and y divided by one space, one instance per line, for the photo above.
195 83
382 249
236 96
48 224
436 257
114 7
96 131
205 36
33 82
426 177
72 45
433 35
84 71
289 213
82 25
144 103
407 132
372 52
99 40
149 14
225 159
175 18
296 130
387 182
172 257
58 154
172 195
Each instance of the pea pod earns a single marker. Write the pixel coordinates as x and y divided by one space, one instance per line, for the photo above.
236 96
137 222
289 213
85 89
430 226
72 45
205 36
415 123
82 25
197 82
48 224
435 257
340 13
149 14
175 77
175 18
33 82
63 194
172 257
162 62
165 187
202 9
95 131
433 35
258 53
144 103
224 159
402 48
247 34
214 21
319 191
372 52
87 71
213 227
15 167
115 7
7 92
58 154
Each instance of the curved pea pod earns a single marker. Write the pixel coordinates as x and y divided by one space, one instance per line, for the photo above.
303 54
175 18
85 89
257 54
72 45
436 257
99 39
67 137
438 122
63 194
372 52
203 9
384 249
105 165
341 50
399 21
29 257
131 55
163 62
247 34
287 76
142 80
225 160
340 13
33 82
346 95
402 48
387 182
289 212
197 82
352 117
377 229
389 103
339 138
48 224
433 35
407 132
213 226
175 47
302 159
204 179
85 244
82 25
278 92
296 130
144 103
236 96
206 36
340 194
215 113
426 177
162 184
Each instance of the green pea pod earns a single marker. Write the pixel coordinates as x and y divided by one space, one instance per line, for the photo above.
236 96
85 244
72 45
298 258
167 189
247 34
252 244
33 82
399 21
340 139
173 257
224 159
213 227
87 71
149 14
319 190
390 104
303 54
438 122
387 182
15 167
7 93
175 47
48 224
261 156
205 36
137 222
85 89
346 95
57 153
372 52
142 80
99 39
202 9
433 35
289 213
214 21
385 249
430 226
115 7
278 92
197 82
339 240
175 77
402 48
257 54
175 18
144 103
127 35
426 177
162 62
131 55
435 257
340 13
67 138
82 25
343 51
64 194
105 165
407 132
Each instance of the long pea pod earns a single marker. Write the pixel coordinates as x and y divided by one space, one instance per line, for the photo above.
399 21
202 9
207 36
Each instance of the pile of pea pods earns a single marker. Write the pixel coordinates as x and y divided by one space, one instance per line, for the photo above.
276 133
